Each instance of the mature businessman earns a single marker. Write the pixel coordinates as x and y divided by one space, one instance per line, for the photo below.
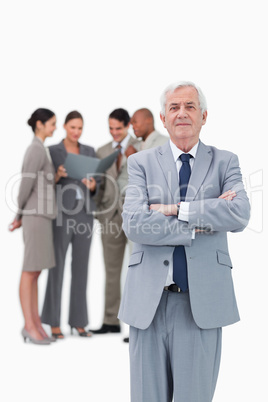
182 199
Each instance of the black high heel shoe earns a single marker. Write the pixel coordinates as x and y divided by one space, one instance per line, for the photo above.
81 332
56 333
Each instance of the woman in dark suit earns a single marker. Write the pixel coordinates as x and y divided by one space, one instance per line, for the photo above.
74 225
36 202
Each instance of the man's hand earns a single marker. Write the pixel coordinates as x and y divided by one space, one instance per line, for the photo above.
171 209
165 209
228 195
130 150
14 225
90 183
61 172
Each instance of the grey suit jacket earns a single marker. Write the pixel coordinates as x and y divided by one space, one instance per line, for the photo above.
37 187
153 178
110 197
66 188
155 139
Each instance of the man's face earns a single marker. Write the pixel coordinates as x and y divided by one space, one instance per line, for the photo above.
118 130
140 124
183 117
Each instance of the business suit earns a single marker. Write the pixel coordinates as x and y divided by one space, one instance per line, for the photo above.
74 224
37 207
155 139
109 201
211 300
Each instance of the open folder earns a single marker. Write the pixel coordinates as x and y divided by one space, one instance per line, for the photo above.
81 166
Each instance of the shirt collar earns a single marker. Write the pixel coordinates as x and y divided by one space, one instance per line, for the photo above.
177 152
123 143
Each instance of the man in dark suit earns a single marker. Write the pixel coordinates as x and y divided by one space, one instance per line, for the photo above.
182 199
109 201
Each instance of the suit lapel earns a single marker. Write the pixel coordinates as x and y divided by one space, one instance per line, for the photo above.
199 172
201 165
62 149
112 169
131 141
168 166
82 149
61 153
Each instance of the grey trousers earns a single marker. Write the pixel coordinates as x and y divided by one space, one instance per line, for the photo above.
77 231
113 243
174 358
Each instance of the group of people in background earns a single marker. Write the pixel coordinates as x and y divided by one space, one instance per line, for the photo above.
51 206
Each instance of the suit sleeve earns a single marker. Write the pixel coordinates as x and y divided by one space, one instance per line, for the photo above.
33 163
220 215
97 178
149 227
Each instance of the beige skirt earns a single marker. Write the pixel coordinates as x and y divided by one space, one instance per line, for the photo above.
38 242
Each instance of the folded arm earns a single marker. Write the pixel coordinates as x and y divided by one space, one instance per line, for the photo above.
144 225
228 212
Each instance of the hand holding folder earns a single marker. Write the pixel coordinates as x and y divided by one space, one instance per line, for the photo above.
81 166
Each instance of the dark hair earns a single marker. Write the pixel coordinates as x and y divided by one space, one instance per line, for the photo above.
40 114
121 115
73 115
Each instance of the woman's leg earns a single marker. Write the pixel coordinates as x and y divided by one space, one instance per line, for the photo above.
27 290
52 304
36 315
78 314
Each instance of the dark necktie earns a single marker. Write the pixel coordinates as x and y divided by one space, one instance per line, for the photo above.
119 158
179 258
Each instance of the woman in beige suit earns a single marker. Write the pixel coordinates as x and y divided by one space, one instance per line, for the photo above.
36 202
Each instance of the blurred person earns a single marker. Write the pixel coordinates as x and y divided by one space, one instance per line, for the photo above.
110 200
143 126
74 225
182 200
37 208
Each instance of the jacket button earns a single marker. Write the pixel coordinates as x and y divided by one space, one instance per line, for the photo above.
166 262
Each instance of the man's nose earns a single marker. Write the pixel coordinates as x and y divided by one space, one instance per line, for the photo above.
182 113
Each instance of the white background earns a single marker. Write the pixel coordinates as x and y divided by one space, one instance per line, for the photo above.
98 56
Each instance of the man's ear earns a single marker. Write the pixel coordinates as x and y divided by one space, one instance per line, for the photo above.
205 115
162 117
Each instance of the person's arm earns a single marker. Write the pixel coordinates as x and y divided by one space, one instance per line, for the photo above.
33 163
221 214
61 172
16 224
229 212
146 226
90 184
174 209
130 150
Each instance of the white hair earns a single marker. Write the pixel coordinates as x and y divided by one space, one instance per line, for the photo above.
171 88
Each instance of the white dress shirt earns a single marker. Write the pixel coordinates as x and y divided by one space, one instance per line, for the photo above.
123 144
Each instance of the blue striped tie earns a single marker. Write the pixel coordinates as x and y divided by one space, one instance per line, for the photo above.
179 257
